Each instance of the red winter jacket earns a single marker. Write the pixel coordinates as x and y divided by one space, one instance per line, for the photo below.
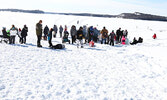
154 36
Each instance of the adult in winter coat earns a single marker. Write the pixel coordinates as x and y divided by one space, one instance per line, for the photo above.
80 37
46 30
90 33
118 35
39 33
55 30
50 37
111 38
24 34
104 33
125 33
73 33
13 33
85 33
60 30
96 34
4 33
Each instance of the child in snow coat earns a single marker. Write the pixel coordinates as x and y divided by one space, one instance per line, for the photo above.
80 37
154 36
123 40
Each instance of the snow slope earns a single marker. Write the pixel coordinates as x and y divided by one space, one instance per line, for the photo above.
128 72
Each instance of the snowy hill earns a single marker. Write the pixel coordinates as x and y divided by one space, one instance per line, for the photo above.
136 15
137 72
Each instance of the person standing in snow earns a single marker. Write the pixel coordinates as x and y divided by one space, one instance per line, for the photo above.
60 30
90 33
85 33
19 35
39 33
118 35
73 33
111 38
96 34
104 33
80 37
50 37
46 30
55 30
125 33
24 34
13 33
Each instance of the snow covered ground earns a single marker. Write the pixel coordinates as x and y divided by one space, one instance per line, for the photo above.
137 72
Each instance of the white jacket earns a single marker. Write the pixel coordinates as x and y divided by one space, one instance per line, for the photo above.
13 32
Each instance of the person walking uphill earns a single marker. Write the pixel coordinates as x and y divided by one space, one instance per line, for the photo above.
39 33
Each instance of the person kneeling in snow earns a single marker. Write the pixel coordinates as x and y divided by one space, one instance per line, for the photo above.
80 37
134 41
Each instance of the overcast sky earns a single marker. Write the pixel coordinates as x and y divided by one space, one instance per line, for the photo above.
157 7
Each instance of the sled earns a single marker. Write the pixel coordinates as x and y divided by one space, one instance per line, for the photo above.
58 46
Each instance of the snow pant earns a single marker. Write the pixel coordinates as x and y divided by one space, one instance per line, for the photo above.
79 42
39 40
24 39
103 40
73 39
50 43
12 40
61 34
21 40
111 42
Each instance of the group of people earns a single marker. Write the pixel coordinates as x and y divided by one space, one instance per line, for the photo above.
83 33
88 34
13 31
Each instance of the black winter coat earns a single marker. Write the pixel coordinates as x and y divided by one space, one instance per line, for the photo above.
46 30
79 34
24 32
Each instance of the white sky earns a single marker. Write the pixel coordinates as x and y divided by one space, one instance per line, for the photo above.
157 7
